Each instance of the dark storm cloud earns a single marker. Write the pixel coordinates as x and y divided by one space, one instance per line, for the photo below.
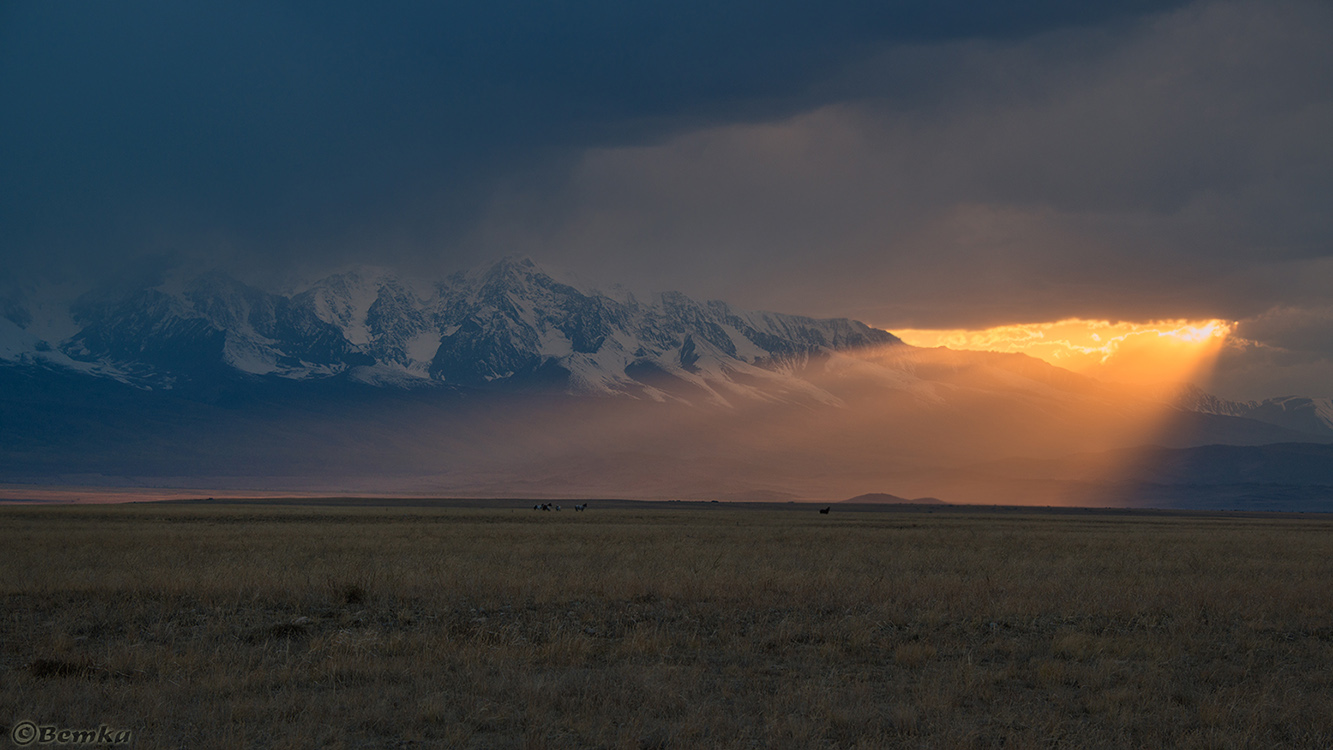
1179 166
914 164
301 130
1169 169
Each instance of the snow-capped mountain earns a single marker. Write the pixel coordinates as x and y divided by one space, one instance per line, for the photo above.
508 323
1311 415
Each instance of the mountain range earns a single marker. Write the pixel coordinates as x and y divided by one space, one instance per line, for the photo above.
507 324
507 380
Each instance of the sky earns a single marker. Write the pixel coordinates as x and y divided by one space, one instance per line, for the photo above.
915 165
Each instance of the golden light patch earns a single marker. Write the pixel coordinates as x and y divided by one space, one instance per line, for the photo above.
1163 351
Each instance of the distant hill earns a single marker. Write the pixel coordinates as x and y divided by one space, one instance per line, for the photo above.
884 498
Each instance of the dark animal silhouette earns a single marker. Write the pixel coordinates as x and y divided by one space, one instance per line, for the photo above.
826 510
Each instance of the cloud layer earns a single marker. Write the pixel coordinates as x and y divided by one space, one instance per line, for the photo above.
1176 167
910 164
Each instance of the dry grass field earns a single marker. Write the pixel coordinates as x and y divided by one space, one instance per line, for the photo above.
292 627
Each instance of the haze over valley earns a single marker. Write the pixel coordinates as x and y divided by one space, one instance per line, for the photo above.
504 381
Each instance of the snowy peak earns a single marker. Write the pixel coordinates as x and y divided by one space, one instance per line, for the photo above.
378 315
344 299
1310 415
207 323
512 321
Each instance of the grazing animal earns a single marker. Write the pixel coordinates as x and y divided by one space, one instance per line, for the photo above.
557 507
826 510
581 507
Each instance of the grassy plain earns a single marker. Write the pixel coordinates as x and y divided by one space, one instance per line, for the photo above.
273 627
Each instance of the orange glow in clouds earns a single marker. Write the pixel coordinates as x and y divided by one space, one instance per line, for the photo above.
1159 352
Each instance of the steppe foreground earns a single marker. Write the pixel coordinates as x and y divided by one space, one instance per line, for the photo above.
272 626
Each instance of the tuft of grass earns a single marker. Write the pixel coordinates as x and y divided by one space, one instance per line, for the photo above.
43 668
913 655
